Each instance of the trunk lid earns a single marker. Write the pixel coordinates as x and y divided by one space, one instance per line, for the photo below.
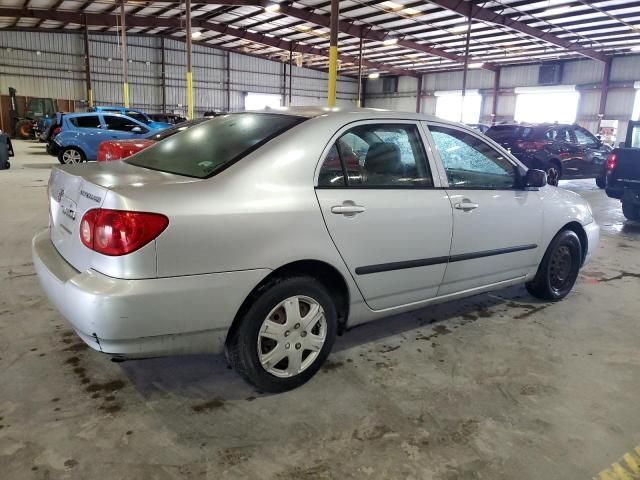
73 190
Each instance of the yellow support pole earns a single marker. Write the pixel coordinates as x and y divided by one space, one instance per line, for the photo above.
125 94
187 7
125 61
189 95
90 99
333 55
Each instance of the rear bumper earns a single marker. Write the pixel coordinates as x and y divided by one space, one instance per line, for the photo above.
593 238
53 148
143 318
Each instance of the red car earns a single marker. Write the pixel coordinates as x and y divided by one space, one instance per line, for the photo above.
111 150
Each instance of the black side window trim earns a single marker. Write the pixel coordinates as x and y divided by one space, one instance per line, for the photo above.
346 185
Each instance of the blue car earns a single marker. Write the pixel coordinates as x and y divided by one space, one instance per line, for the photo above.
136 114
82 133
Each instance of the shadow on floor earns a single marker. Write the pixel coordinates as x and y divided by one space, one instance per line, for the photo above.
202 377
39 165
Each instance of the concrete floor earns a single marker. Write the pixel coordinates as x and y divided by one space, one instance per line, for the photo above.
500 386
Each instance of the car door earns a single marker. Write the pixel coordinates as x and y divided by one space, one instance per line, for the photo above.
496 225
592 152
384 211
90 132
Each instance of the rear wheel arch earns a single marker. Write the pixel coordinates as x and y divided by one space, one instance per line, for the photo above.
75 147
323 272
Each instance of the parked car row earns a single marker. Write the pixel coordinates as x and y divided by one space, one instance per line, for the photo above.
564 151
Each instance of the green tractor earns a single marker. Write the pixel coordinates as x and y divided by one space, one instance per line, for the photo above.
39 111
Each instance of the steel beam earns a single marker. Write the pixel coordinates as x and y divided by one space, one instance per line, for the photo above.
352 29
87 67
487 15
97 19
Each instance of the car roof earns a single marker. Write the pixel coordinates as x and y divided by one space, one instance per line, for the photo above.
534 125
352 114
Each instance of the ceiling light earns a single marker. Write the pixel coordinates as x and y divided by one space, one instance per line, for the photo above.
196 34
302 28
109 59
558 10
374 75
635 48
391 5
38 52
272 7
412 12
390 41
459 28
476 65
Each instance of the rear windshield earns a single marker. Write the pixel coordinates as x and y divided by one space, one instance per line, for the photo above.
168 132
207 148
506 132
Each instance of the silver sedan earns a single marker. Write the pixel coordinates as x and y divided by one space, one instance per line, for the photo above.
263 234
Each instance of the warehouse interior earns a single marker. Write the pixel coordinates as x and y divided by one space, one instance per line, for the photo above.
499 385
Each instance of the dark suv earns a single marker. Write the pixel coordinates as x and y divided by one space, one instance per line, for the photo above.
563 151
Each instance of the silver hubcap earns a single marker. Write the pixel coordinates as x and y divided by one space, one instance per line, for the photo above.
291 337
71 156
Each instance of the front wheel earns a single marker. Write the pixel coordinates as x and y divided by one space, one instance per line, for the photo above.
559 268
631 211
71 156
285 335
601 182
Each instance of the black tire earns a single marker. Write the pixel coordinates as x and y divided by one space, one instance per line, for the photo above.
559 268
554 173
243 342
24 129
631 212
74 151
601 182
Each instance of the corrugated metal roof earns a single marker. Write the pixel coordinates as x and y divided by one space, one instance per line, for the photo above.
611 27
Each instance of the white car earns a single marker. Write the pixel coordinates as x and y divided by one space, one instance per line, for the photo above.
265 233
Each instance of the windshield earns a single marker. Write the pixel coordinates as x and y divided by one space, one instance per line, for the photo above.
157 136
205 149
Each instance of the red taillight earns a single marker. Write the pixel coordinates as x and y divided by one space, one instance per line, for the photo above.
56 131
611 162
530 146
118 232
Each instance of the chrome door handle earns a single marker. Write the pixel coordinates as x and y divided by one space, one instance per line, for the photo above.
347 210
466 206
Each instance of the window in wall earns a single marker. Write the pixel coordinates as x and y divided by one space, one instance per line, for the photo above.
449 105
636 105
537 105
258 101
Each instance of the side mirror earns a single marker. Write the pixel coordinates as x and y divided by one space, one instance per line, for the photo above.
136 130
535 178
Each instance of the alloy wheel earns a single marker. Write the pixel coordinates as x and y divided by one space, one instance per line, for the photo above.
292 336
71 156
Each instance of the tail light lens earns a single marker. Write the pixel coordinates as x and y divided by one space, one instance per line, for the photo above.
611 162
531 146
56 131
119 232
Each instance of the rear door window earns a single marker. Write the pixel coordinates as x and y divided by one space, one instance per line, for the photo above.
205 149
377 156
88 121
121 123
